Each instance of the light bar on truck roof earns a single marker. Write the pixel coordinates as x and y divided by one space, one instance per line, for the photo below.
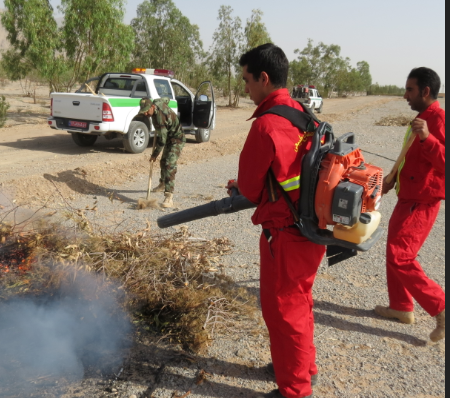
155 72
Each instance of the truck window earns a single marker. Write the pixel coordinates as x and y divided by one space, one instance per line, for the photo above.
141 89
180 91
163 88
118 86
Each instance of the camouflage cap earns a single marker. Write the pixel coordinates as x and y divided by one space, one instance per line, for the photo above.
145 104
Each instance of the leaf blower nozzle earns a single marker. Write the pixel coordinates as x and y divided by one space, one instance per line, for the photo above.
224 206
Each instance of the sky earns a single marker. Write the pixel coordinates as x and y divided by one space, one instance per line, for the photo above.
393 36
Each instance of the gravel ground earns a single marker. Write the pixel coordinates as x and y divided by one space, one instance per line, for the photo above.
359 354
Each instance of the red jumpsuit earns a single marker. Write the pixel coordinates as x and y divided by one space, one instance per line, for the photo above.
420 188
289 262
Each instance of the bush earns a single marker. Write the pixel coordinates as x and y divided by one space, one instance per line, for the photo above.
4 106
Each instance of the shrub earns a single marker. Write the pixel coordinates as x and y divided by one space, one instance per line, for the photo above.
4 106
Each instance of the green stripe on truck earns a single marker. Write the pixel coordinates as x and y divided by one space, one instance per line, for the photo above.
133 102
124 102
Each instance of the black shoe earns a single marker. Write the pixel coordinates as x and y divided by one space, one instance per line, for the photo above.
277 394
314 379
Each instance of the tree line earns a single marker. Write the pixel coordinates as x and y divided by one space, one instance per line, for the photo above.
92 39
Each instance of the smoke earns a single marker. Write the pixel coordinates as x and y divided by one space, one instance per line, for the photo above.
65 334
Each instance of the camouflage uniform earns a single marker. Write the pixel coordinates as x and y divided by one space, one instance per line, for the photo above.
170 139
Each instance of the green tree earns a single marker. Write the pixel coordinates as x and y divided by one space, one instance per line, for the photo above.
376 89
95 38
363 68
324 66
165 38
255 32
226 49
34 38
305 70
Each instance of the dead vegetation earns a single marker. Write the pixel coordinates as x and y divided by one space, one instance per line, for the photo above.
172 284
396 121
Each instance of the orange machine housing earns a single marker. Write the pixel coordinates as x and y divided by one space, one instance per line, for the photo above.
351 167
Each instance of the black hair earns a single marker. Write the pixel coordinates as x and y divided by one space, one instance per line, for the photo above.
270 59
427 77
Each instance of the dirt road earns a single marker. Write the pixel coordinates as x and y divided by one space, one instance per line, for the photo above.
32 155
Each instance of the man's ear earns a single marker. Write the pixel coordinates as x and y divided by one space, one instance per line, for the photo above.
265 79
426 92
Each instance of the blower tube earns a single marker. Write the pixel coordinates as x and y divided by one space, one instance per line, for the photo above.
224 206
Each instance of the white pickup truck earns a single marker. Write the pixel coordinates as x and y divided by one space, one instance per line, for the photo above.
308 96
111 108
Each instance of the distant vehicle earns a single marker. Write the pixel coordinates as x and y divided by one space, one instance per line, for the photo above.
308 96
111 108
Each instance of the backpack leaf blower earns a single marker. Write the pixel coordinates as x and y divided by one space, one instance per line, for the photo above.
340 194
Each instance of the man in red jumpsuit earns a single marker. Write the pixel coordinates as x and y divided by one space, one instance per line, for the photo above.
420 189
289 262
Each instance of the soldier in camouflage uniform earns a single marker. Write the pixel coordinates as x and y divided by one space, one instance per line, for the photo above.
170 141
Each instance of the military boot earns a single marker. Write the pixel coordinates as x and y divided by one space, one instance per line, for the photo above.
277 394
271 370
168 201
404 317
439 333
160 188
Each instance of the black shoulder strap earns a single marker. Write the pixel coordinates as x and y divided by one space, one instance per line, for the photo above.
302 120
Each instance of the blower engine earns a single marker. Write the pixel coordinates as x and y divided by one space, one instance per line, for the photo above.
340 196
348 192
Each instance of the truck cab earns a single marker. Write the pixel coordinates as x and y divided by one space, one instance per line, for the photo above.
109 105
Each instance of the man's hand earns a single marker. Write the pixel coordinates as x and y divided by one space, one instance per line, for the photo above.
388 187
420 128
231 186
153 159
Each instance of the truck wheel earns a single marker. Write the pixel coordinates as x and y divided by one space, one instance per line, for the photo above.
320 109
202 135
137 138
84 140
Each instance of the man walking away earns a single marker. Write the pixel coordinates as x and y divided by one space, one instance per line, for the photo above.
289 262
170 141
420 189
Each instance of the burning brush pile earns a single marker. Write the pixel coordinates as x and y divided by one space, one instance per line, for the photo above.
84 289
171 281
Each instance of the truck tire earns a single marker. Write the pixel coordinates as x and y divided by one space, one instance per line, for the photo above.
137 138
202 135
320 109
84 140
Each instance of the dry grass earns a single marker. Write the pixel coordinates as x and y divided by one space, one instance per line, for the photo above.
397 121
172 283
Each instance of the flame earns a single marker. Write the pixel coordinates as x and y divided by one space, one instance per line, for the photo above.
15 258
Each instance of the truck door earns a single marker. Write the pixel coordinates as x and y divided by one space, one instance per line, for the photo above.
204 113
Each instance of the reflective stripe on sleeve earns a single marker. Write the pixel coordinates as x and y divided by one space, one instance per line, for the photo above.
291 185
